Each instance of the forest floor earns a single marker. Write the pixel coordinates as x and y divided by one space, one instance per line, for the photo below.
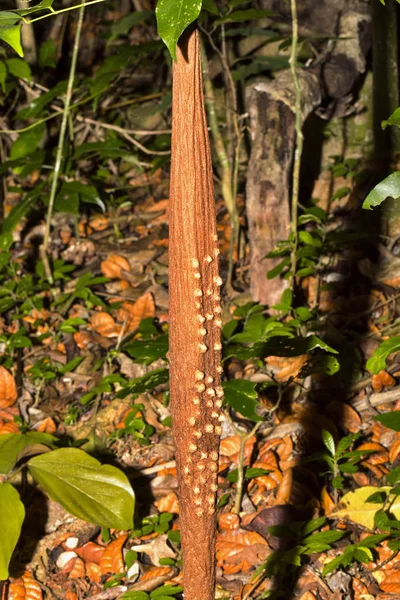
86 363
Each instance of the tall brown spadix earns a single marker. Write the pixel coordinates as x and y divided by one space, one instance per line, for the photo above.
195 322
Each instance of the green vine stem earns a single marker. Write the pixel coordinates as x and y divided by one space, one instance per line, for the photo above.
53 12
61 139
299 137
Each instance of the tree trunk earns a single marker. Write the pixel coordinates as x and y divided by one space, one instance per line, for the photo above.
195 323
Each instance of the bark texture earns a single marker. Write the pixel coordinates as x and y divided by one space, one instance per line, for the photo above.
195 323
272 123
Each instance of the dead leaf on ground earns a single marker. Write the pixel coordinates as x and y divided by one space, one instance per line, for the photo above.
284 490
344 415
8 388
156 549
24 588
104 324
230 447
168 503
132 313
113 266
354 506
239 550
112 560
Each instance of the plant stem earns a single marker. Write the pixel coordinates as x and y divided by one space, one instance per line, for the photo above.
53 12
299 137
240 482
63 129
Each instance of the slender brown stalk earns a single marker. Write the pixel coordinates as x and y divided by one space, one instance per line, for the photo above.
195 323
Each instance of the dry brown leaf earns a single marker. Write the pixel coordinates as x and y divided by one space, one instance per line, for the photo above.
326 501
112 560
113 266
93 572
381 380
269 462
91 552
78 569
82 339
156 572
8 427
230 447
285 449
359 588
71 596
8 389
394 451
391 583
104 324
288 367
24 588
99 223
344 415
132 313
47 426
307 596
239 550
156 549
285 488
228 521
168 503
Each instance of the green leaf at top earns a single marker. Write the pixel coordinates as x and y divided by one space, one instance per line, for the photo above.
284 346
377 362
394 119
388 188
173 17
44 4
242 397
93 492
19 68
328 440
10 30
27 142
390 420
12 514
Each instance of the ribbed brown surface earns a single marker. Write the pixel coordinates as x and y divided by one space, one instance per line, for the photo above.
195 322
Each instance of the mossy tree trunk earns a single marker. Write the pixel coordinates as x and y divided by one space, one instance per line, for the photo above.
195 322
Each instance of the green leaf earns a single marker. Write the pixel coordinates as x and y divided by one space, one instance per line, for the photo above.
377 362
173 17
27 142
166 590
241 395
320 363
12 514
394 119
323 537
147 351
3 76
19 68
388 188
10 31
123 26
328 440
332 565
44 4
71 193
244 15
390 420
13 444
283 346
135 595
145 383
100 494
48 54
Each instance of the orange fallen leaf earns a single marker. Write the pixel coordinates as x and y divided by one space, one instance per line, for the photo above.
307 596
132 313
156 572
113 266
93 572
82 339
239 550
8 427
112 560
228 521
104 324
326 501
381 380
230 447
8 388
344 415
359 588
285 488
47 426
91 552
78 569
168 503
24 588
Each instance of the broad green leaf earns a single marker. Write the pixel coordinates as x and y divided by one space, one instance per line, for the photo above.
283 346
27 142
394 119
10 30
145 383
241 395
147 351
244 15
48 54
38 104
388 188
135 595
3 76
45 4
13 444
210 6
12 514
377 362
390 420
355 506
328 440
97 493
320 363
71 193
166 590
173 17
19 68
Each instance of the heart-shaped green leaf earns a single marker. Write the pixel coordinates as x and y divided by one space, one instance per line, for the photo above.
12 514
97 493
173 16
